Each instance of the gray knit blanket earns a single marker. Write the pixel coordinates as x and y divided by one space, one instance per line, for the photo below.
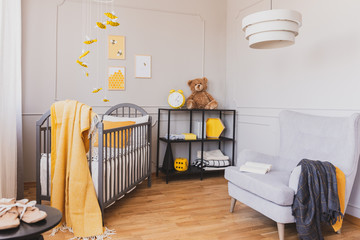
316 199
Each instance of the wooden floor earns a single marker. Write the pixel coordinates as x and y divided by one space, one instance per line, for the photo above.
190 209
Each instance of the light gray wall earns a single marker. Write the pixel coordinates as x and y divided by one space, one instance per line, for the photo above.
186 39
318 75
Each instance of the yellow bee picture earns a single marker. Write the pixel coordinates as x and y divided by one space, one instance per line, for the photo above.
116 47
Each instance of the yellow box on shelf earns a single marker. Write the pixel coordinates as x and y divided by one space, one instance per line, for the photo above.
214 127
181 164
189 136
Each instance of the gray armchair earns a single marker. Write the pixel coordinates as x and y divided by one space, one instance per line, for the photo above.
333 139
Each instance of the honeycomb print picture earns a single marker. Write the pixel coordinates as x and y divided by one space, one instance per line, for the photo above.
116 78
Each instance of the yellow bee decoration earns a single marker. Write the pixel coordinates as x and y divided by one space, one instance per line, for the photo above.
96 90
100 25
90 41
84 54
112 23
110 15
82 63
87 74
106 100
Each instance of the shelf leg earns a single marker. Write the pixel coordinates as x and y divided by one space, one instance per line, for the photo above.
202 145
168 162
158 146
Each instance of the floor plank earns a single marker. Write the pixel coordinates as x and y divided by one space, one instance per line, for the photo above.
191 209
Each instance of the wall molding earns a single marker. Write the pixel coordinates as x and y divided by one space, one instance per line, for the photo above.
273 112
106 108
353 210
247 7
299 108
252 123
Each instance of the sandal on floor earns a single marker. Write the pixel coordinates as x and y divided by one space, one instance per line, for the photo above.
8 214
28 212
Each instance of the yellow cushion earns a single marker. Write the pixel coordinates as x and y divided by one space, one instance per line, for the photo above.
112 138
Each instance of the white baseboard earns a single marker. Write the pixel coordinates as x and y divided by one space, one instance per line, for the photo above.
353 210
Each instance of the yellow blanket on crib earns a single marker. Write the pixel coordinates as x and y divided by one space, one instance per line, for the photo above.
72 189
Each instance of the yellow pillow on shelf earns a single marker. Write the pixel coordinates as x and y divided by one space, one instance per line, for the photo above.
112 139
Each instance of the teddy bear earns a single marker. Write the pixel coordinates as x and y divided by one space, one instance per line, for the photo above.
200 99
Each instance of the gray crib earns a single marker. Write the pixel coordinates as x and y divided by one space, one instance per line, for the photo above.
120 162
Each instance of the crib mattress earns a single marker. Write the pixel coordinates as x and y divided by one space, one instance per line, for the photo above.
121 169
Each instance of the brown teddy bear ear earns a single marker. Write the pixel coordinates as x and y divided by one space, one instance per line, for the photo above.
205 79
189 82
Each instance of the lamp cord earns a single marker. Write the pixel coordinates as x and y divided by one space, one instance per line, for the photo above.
270 4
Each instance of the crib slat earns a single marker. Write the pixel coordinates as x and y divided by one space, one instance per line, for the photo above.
133 159
127 160
142 150
122 160
135 155
113 170
47 157
38 161
44 151
106 166
138 152
118 163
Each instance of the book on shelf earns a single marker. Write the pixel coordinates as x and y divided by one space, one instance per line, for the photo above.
255 167
199 129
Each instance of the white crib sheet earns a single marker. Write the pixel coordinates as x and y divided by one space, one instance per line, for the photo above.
134 166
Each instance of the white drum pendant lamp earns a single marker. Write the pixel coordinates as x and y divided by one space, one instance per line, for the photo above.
274 28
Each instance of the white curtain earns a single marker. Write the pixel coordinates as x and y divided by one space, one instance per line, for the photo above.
10 94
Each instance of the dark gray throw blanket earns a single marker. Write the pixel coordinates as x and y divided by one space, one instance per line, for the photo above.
317 198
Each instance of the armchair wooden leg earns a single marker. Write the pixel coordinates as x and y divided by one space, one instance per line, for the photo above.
232 204
281 230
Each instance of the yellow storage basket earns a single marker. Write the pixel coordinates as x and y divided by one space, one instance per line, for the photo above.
181 164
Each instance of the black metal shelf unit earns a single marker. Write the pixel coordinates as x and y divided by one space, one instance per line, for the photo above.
167 166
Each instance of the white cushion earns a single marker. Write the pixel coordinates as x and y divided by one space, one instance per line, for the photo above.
272 186
137 120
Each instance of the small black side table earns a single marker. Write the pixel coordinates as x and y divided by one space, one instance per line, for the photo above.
33 231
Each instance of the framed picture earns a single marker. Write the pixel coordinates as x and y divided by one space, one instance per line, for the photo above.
142 66
116 78
116 47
